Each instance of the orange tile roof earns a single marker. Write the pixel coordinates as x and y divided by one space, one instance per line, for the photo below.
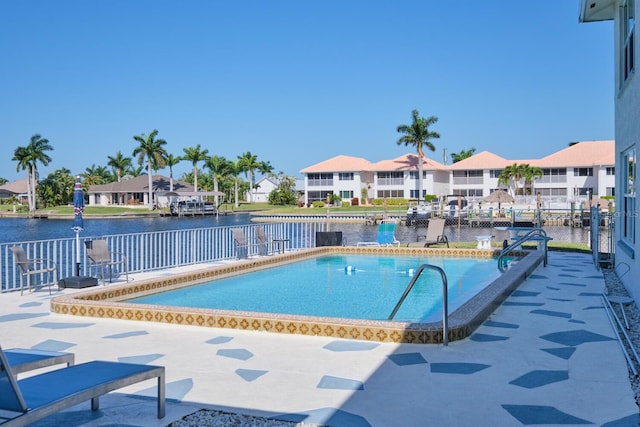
406 162
482 160
585 153
340 164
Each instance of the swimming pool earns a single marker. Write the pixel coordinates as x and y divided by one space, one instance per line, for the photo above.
111 301
342 286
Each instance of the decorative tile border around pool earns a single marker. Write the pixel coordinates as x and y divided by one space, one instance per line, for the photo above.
108 302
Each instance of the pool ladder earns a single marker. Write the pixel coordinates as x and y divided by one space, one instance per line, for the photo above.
445 298
535 234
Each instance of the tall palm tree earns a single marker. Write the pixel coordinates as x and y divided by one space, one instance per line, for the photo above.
195 155
220 168
21 155
418 135
28 158
249 163
170 162
153 151
236 168
119 163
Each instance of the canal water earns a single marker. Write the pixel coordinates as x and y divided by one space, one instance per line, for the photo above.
28 229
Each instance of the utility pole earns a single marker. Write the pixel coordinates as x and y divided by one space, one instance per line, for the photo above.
444 156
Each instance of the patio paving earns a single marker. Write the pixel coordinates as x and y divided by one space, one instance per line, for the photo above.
548 356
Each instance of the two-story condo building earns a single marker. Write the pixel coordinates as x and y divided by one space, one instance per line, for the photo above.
627 128
575 173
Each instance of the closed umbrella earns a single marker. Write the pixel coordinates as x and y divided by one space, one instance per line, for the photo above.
78 225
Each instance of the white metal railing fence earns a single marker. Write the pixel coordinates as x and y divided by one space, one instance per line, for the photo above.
152 251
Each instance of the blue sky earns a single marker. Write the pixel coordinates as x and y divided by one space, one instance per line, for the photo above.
298 82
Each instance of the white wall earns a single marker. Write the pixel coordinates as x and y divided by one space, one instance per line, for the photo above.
627 134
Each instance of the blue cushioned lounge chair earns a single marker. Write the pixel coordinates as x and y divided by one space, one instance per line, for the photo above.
386 236
41 395
23 359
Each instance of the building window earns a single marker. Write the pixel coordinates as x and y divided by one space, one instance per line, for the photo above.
312 196
414 194
414 174
628 184
611 170
611 191
468 192
553 175
346 194
582 171
584 191
552 192
318 179
345 176
627 24
390 178
390 194
467 177
495 173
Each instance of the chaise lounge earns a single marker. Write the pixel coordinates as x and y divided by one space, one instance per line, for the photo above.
41 395
23 359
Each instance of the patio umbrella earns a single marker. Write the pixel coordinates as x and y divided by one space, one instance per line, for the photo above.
78 225
604 203
499 196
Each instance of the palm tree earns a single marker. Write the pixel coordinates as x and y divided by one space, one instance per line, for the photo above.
219 167
152 149
512 174
21 155
419 135
96 175
170 162
57 188
249 163
530 173
236 169
195 155
464 154
28 158
119 163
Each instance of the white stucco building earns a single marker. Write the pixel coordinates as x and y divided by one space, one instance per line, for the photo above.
572 174
627 124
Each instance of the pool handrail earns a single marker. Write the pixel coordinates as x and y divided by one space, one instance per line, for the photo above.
445 298
535 234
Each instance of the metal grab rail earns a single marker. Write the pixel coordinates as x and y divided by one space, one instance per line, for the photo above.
530 235
445 299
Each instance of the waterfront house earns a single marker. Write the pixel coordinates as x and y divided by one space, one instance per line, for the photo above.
134 191
261 190
15 188
627 129
573 174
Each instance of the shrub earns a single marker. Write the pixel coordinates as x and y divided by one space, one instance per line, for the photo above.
318 204
355 201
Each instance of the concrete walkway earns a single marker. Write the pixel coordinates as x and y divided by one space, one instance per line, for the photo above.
547 356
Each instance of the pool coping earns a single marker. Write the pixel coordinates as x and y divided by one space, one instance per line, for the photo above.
107 301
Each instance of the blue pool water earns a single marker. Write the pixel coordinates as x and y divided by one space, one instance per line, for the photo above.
343 286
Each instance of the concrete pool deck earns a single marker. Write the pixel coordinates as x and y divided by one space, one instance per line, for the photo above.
547 356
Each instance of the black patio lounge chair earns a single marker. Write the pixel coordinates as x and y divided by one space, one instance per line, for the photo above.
39 396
